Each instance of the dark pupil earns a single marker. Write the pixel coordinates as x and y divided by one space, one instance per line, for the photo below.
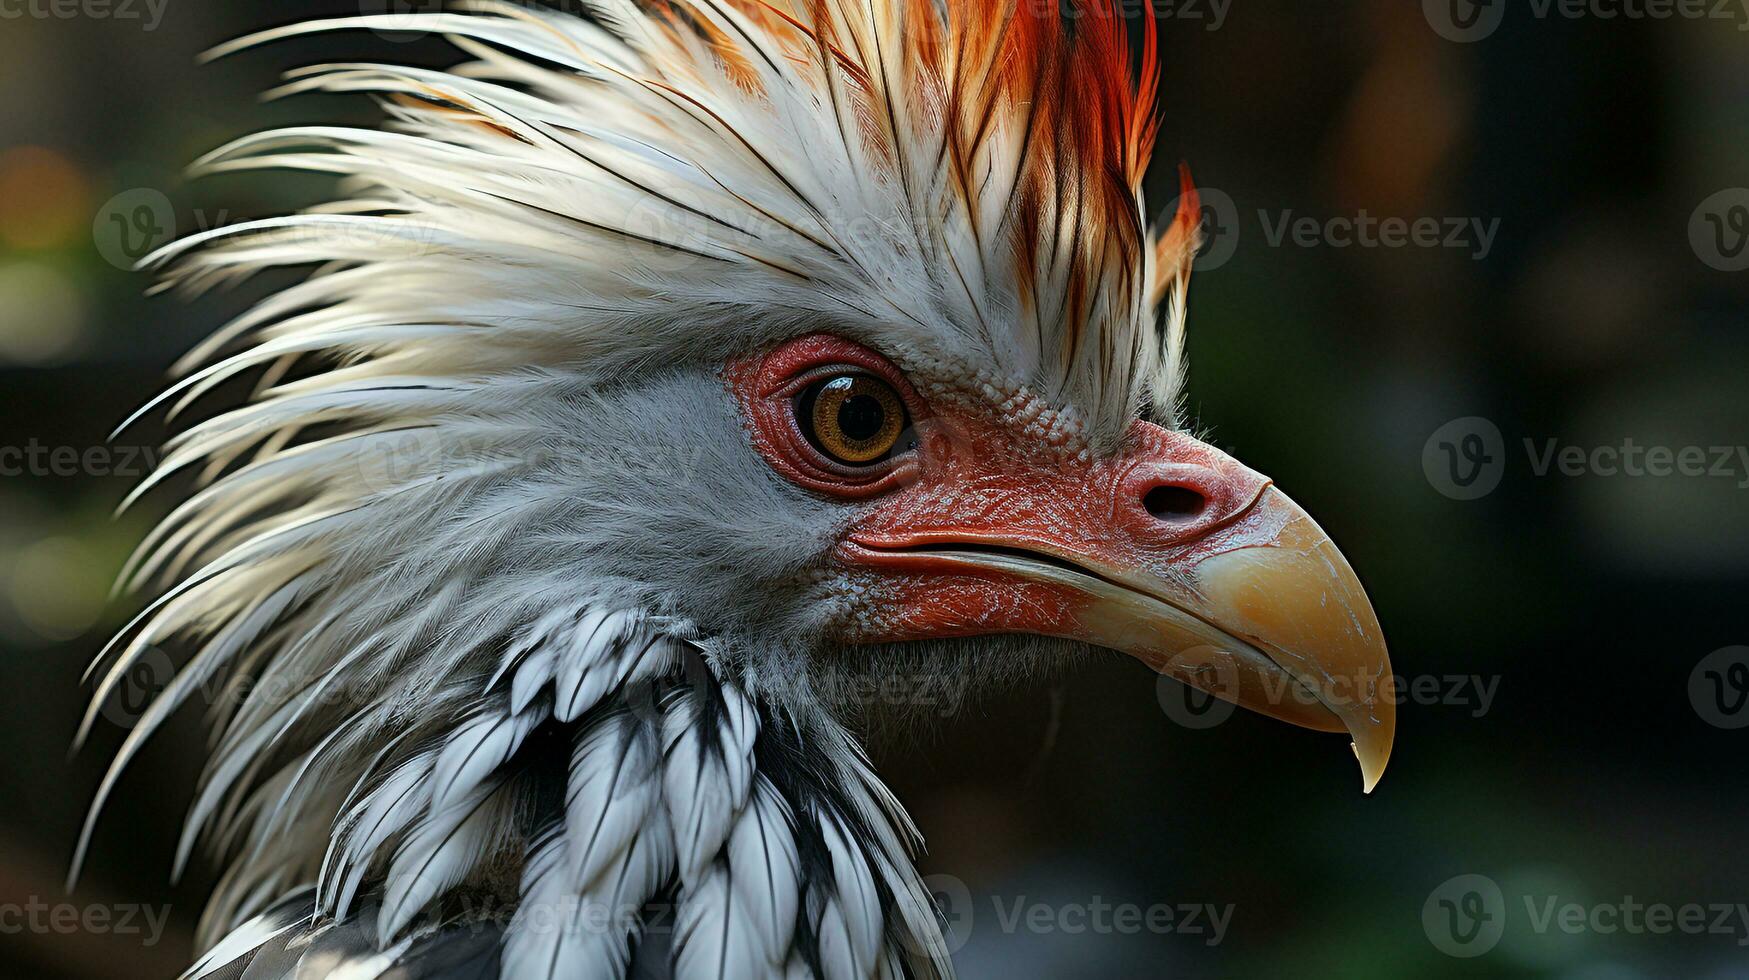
861 418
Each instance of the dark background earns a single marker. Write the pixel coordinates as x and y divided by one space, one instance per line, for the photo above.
1587 601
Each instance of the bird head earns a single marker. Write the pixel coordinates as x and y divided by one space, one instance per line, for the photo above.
793 341
982 512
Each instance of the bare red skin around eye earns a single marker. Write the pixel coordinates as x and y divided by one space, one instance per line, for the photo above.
979 479
767 386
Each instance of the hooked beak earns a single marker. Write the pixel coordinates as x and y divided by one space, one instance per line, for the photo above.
1222 582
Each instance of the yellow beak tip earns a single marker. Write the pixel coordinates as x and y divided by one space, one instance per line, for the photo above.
1370 773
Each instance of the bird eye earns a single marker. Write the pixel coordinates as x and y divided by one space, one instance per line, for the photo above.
856 419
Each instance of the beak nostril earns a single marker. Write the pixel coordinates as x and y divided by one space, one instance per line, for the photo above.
1176 504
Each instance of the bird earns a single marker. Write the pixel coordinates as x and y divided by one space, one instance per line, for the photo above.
658 376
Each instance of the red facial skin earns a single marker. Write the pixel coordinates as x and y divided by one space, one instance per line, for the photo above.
978 478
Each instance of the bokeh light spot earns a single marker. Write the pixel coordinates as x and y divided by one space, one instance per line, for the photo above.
56 588
44 199
44 316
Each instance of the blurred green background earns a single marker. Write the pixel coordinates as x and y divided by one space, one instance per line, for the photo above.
1605 310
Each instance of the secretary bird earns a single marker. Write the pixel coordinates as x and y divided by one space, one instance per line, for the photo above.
669 370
